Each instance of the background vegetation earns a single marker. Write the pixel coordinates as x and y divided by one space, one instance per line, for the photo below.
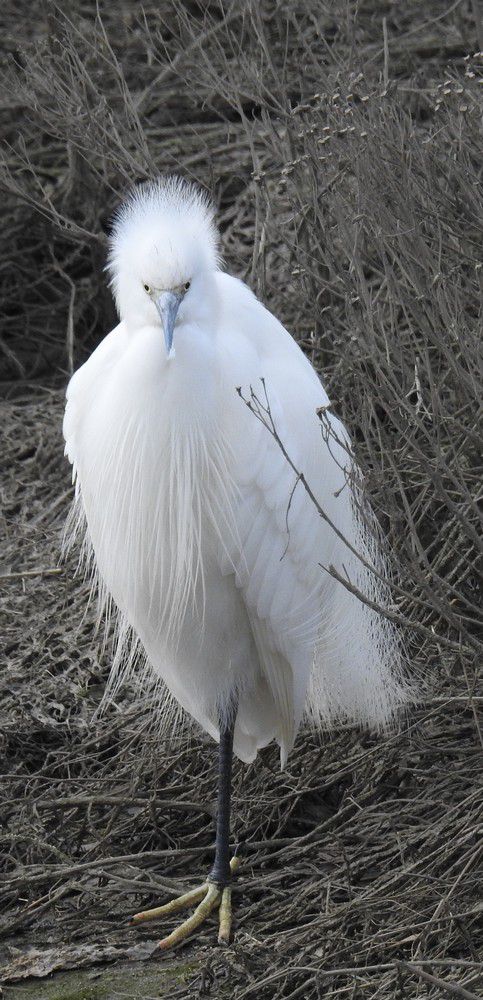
342 143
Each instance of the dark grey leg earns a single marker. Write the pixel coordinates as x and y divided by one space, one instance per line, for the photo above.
220 873
216 890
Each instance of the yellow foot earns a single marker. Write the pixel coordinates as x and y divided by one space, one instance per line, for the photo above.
207 896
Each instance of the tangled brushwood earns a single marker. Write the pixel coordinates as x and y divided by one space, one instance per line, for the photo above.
342 143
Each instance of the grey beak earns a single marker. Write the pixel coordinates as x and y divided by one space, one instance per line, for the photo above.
167 305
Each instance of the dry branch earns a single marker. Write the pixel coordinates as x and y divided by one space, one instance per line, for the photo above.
343 145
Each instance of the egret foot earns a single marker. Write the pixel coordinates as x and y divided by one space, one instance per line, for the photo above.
208 896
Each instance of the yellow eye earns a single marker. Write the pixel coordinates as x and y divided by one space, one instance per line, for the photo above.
147 288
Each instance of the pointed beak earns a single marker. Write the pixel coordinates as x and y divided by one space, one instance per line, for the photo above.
167 305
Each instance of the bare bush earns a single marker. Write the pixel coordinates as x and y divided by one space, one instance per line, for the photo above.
343 144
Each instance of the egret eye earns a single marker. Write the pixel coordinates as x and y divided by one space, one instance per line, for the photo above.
187 285
147 288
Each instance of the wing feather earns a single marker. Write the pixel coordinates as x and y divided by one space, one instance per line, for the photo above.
278 675
317 644
84 384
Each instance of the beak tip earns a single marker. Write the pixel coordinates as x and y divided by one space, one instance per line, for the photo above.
167 305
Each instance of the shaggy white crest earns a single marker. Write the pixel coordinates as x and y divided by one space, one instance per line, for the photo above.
209 547
163 235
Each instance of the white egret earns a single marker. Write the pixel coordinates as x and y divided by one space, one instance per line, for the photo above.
204 539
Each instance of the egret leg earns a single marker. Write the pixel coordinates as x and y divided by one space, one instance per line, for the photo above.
220 874
216 890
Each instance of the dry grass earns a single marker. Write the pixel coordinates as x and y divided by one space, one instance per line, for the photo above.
344 148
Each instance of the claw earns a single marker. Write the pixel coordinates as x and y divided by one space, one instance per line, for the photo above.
212 898
179 903
207 896
224 933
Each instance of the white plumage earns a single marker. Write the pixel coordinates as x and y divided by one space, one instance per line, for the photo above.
208 552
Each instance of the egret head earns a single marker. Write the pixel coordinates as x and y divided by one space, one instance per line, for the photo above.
163 249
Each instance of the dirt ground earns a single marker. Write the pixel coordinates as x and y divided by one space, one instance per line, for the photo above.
113 982
361 861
